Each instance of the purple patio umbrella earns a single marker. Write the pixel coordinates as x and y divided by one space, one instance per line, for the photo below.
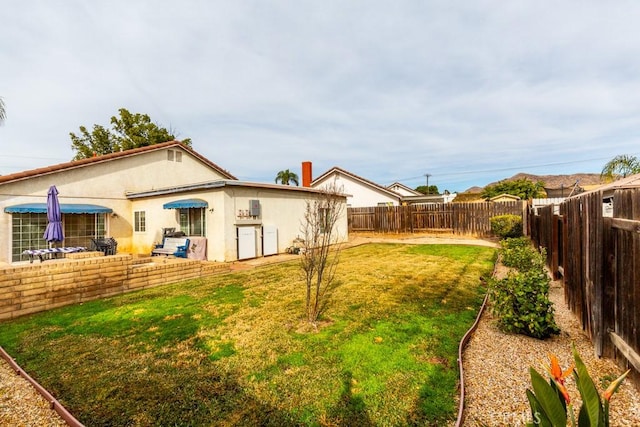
53 232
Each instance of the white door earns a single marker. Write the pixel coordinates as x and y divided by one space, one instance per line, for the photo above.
269 240
246 242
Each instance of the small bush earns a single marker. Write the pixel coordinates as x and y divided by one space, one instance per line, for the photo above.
521 300
505 226
519 254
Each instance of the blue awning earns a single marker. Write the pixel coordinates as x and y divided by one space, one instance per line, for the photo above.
65 208
186 204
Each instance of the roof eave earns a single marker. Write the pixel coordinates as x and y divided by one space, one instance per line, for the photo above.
220 184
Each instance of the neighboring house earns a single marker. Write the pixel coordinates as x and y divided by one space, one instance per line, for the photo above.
360 191
403 190
410 196
446 197
562 191
504 197
133 195
608 192
364 193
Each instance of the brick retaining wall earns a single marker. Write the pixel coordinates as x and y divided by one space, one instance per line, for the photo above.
84 276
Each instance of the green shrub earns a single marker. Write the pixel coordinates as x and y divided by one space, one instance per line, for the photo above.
518 253
521 303
521 300
505 226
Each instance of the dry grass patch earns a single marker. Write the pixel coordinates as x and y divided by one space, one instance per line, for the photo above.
235 349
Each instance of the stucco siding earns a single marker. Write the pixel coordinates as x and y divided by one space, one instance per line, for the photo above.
158 218
145 181
359 193
282 209
106 184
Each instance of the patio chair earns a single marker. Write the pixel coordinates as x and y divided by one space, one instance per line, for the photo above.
107 245
176 246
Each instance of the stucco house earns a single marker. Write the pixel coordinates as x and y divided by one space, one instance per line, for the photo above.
364 193
403 190
134 195
360 191
504 197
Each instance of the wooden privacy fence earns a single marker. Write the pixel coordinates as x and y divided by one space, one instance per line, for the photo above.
458 218
598 260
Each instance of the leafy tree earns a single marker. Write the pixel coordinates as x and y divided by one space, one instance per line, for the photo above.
432 189
126 132
620 167
3 112
522 188
286 177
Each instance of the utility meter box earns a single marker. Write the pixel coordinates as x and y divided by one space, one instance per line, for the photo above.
254 207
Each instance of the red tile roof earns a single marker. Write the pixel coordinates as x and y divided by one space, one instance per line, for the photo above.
109 157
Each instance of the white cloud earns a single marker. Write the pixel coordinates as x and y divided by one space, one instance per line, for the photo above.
388 90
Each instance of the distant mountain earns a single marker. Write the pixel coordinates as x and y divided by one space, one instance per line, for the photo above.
475 189
584 180
557 181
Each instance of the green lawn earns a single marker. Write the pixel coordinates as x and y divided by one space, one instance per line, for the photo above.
233 349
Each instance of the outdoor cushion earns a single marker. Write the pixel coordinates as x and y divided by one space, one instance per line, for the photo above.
176 246
41 252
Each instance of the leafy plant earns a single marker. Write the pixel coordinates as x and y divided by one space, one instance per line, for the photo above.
620 166
521 300
522 188
518 253
551 403
129 130
505 226
286 177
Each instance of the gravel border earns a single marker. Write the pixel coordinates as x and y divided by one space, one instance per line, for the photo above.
496 367
21 404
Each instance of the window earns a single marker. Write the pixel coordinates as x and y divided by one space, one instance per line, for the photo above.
174 156
192 221
26 233
79 229
140 224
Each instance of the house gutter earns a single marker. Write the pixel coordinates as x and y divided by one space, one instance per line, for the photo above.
221 184
55 405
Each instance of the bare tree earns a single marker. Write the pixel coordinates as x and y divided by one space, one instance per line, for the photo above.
3 111
321 249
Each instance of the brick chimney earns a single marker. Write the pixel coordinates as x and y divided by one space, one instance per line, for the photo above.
306 174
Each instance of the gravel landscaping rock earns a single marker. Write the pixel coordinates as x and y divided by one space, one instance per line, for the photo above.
21 405
496 367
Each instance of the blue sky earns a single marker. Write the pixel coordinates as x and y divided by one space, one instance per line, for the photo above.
468 92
